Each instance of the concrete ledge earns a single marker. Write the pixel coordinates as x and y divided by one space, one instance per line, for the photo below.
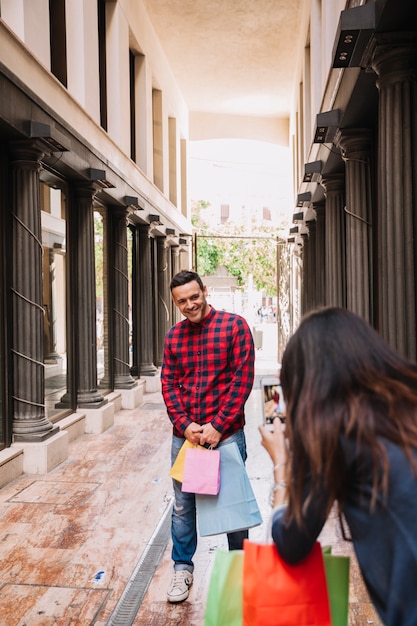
99 420
131 398
11 465
152 383
115 398
74 424
41 458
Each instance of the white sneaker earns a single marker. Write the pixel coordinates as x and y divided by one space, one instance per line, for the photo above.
180 585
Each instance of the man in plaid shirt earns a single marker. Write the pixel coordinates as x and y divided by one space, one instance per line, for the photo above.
207 375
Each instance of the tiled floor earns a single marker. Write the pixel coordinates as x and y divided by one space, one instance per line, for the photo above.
71 540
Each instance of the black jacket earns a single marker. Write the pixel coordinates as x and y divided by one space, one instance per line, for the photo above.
385 541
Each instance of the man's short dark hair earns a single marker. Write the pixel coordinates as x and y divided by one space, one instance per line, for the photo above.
184 277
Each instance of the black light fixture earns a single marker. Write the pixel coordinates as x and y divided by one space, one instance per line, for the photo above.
50 137
327 124
291 240
312 171
354 31
170 231
99 176
182 242
302 198
293 230
155 220
298 217
134 202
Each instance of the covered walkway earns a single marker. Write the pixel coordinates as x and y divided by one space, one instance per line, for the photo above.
89 542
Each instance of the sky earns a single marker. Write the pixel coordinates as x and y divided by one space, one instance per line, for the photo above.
246 173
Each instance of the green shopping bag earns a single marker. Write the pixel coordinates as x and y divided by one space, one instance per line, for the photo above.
224 597
337 576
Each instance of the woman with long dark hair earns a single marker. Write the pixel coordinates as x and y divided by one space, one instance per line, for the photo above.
350 438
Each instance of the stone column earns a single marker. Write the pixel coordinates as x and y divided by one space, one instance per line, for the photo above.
309 269
394 59
333 185
146 319
134 370
28 378
175 264
163 297
122 377
85 301
356 145
319 298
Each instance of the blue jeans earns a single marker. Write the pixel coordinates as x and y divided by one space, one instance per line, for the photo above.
184 521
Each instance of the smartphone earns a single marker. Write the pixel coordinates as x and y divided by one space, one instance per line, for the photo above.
273 404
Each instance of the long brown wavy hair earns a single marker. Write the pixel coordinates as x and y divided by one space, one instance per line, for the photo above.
339 377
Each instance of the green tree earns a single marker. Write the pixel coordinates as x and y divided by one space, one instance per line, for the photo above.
241 252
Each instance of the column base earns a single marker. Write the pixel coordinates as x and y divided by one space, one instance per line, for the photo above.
148 369
131 398
35 437
98 420
41 458
152 383
11 465
74 425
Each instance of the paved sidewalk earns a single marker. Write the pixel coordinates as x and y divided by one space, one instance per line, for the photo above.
89 543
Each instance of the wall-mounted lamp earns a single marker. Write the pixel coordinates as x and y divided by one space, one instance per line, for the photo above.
183 242
354 31
303 198
155 220
170 231
298 217
312 171
293 230
50 137
298 240
134 202
99 176
327 124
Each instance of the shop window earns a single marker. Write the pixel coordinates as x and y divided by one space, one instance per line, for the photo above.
104 374
53 212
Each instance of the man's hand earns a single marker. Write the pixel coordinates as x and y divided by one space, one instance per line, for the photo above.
193 433
209 435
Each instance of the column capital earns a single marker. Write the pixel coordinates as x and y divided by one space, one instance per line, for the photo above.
393 56
29 152
333 183
354 143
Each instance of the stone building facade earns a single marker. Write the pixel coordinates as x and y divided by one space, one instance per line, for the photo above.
93 220
354 139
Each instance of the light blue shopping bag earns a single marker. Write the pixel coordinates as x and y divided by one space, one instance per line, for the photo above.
235 507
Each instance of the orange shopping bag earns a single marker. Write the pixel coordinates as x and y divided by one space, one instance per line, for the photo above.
278 594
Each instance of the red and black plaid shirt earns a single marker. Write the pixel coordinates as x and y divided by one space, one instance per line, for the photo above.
207 372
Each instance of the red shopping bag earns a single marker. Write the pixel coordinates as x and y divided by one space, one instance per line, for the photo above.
278 594
201 471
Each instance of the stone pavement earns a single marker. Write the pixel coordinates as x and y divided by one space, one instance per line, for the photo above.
89 543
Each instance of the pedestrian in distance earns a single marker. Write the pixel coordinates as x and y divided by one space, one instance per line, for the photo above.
206 376
350 438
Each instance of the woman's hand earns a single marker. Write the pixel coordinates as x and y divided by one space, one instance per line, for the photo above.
274 442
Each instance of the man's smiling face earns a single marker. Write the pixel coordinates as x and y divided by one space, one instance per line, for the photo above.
191 301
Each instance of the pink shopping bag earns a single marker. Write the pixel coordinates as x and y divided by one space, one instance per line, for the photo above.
201 471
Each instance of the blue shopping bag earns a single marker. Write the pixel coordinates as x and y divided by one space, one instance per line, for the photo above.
235 507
